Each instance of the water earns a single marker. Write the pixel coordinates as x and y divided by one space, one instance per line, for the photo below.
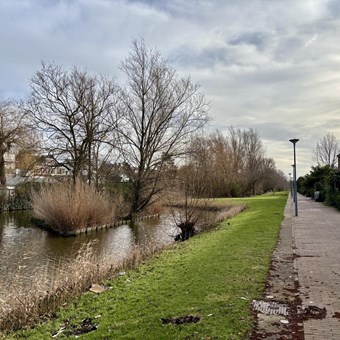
28 253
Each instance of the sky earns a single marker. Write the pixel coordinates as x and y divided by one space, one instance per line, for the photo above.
272 65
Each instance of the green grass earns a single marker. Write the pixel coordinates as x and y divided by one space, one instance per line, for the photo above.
214 276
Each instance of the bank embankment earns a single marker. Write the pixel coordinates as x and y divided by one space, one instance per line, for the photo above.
203 288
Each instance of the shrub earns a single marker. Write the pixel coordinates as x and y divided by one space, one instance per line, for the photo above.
23 191
155 208
3 199
120 194
66 207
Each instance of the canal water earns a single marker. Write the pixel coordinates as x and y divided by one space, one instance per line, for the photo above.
28 253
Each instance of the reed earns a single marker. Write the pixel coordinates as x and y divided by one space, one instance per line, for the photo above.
68 207
24 309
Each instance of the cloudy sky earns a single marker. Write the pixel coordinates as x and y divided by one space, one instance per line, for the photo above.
269 65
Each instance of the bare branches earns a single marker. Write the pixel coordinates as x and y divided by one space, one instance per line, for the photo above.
159 112
13 132
326 150
185 197
235 164
74 111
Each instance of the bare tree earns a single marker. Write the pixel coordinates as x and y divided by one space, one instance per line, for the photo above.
211 157
236 146
326 150
27 158
278 181
72 110
254 158
222 162
185 198
13 132
271 177
160 111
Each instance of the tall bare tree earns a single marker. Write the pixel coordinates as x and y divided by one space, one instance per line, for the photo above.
160 111
211 158
72 110
13 132
236 147
326 150
254 159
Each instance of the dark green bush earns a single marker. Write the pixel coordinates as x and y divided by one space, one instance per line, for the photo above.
325 180
337 200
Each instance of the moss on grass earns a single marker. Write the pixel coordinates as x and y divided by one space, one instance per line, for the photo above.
213 276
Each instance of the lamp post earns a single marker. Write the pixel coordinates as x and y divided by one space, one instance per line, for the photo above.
294 141
293 185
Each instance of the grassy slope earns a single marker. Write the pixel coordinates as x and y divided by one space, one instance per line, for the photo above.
214 275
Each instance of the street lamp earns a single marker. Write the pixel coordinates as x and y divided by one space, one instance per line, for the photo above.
293 185
294 141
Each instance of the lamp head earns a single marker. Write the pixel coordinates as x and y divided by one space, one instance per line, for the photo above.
294 140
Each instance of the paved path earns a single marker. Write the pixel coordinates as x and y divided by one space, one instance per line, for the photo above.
316 238
304 274
281 287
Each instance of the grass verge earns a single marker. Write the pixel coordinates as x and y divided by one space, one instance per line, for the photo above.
213 276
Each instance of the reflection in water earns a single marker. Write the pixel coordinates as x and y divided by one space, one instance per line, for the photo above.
28 253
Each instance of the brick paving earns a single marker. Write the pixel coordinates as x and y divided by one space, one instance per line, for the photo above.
281 286
316 237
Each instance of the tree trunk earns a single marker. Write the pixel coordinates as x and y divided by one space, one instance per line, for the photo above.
89 170
187 230
135 201
2 167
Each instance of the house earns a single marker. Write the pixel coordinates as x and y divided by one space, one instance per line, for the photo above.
9 158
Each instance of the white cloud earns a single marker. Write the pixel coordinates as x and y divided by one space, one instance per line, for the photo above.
310 41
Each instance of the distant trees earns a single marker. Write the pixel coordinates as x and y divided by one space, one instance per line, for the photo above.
74 112
160 111
235 164
326 150
272 178
324 178
13 132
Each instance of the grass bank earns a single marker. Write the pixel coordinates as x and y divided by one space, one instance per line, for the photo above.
213 276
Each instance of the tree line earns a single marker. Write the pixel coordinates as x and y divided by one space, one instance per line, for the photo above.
85 122
323 181
233 164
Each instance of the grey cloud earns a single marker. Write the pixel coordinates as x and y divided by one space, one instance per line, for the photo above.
289 48
274 131
334 8
207 57
258 39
